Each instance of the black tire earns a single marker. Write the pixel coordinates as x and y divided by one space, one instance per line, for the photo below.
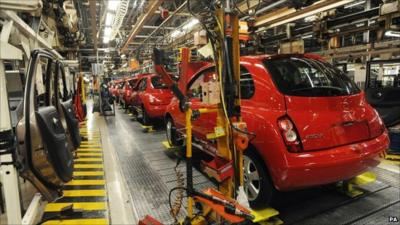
145 116
267 193
171 133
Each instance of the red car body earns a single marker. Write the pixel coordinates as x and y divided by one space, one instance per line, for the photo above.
127 90
337 137
114 89
150 95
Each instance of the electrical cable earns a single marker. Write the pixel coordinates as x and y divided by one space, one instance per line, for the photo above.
177 204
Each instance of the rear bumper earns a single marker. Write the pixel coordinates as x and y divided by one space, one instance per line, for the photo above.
332 165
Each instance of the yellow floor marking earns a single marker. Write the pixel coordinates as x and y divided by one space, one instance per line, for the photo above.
88 160
56 207
90 149
90 146
91 138
86 182
83 193
91 143
88 173
99 166
89 154
78 222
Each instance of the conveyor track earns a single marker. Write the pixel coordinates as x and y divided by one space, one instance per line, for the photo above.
150 175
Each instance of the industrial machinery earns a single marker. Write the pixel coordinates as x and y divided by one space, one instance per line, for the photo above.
228 204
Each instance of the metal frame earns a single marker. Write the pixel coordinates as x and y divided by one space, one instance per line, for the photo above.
8 169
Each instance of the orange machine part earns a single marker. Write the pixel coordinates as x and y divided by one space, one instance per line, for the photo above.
220 209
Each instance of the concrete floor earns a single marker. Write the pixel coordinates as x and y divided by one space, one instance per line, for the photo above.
148 172
139 174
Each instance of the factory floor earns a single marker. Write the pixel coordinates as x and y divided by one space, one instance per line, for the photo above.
148 169
123 173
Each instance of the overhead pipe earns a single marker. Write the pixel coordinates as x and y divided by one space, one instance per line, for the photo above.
266 8
165 21
291 14
143 19
332 23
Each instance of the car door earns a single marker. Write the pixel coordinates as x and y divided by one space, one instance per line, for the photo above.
382 89
48 164
66 108
247 91
199 99
142 86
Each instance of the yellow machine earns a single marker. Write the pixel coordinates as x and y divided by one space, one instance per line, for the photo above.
230 133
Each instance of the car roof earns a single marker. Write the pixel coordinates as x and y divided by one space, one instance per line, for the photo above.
279 56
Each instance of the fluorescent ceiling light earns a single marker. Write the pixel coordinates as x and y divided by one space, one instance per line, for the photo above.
113 4
307 36
106 40
391 33
354 4
107 31
190 24
310 18
109 19
176 33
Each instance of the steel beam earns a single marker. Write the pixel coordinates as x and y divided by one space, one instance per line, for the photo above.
153 6
93 23
287 15
178 14
26 30
155 27
147 36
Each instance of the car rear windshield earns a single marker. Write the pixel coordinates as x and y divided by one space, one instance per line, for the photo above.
309 77
157 83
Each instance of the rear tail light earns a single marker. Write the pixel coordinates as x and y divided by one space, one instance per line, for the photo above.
376 126
290 135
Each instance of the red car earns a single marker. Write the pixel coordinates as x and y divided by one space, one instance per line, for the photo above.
313 125
114 89
150 97
127 90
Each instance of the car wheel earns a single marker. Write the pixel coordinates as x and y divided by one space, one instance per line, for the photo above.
257 182
145 116
172 135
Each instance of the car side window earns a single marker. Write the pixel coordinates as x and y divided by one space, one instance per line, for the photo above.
143 84
247 88
195 88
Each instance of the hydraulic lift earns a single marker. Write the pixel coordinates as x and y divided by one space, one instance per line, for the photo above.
229 203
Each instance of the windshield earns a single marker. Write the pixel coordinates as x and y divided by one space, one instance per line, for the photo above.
309 77
157 83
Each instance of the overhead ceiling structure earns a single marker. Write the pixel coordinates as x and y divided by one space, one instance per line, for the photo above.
132 27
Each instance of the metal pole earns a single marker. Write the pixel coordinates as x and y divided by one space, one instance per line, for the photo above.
8 172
